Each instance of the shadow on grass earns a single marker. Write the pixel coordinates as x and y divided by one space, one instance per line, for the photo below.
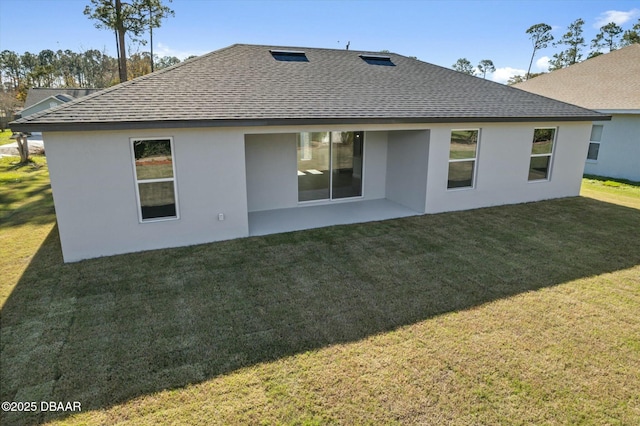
37 211
108 330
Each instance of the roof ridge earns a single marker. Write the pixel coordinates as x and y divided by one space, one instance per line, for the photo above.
315 48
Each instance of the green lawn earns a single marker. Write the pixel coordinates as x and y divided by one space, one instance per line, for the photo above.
26 217
4 137
524 314
611 191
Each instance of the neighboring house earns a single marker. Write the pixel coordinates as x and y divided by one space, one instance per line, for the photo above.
40 99
251 140
610 84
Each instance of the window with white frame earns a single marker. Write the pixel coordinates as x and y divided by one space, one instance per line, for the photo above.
155 178
594 142
463 155
542 154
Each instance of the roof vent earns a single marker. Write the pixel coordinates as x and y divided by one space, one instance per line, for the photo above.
289 55
378 60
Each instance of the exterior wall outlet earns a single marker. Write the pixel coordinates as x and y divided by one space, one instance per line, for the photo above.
220 216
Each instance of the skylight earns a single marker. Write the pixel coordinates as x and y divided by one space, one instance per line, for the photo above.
289 55
378 60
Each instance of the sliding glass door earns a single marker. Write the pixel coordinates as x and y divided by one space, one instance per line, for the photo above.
330 165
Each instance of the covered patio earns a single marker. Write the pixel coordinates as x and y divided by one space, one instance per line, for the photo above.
318 216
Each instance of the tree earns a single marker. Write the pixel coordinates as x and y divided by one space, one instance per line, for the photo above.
540 35
157 12
515 79
10 67
485 66
99 69
166 62
124 18
574 40
139 64
9 104
47 67
28 63
464 66
631 36
607 38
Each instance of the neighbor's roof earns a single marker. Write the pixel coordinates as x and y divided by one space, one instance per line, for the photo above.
606 82
38 94
245 85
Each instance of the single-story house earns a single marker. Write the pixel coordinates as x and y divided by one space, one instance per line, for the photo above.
41 98
250 140
610 84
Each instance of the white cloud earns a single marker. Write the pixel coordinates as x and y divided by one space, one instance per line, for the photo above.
543 64
163 50
618 16
502 75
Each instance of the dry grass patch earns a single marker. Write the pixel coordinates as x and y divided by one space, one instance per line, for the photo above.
624 193
518 314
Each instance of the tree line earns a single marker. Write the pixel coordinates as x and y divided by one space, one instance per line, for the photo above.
64 68
91 68
610 37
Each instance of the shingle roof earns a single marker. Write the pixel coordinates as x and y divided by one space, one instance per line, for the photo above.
606 82
245 85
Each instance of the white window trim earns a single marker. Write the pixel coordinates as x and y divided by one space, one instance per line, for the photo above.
474 176
590 160
137 181
550 155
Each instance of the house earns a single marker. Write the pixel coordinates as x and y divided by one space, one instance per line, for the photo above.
40 99
610 84
250 140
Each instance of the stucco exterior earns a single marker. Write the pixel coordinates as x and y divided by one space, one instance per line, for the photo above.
94 191
502 166
234 171
619 154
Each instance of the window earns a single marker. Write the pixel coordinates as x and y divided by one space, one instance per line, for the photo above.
541 154
155 178
289 56
378 60
594 144
463 154
330 165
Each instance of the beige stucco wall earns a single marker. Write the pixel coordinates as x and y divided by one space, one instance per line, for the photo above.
619 155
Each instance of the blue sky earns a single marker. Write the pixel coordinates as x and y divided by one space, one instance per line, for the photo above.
435 31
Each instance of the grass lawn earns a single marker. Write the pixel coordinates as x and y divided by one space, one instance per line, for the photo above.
524 314
610 191
4 137
26 217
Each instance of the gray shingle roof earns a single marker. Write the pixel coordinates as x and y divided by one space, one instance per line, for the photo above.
245 85
606 82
